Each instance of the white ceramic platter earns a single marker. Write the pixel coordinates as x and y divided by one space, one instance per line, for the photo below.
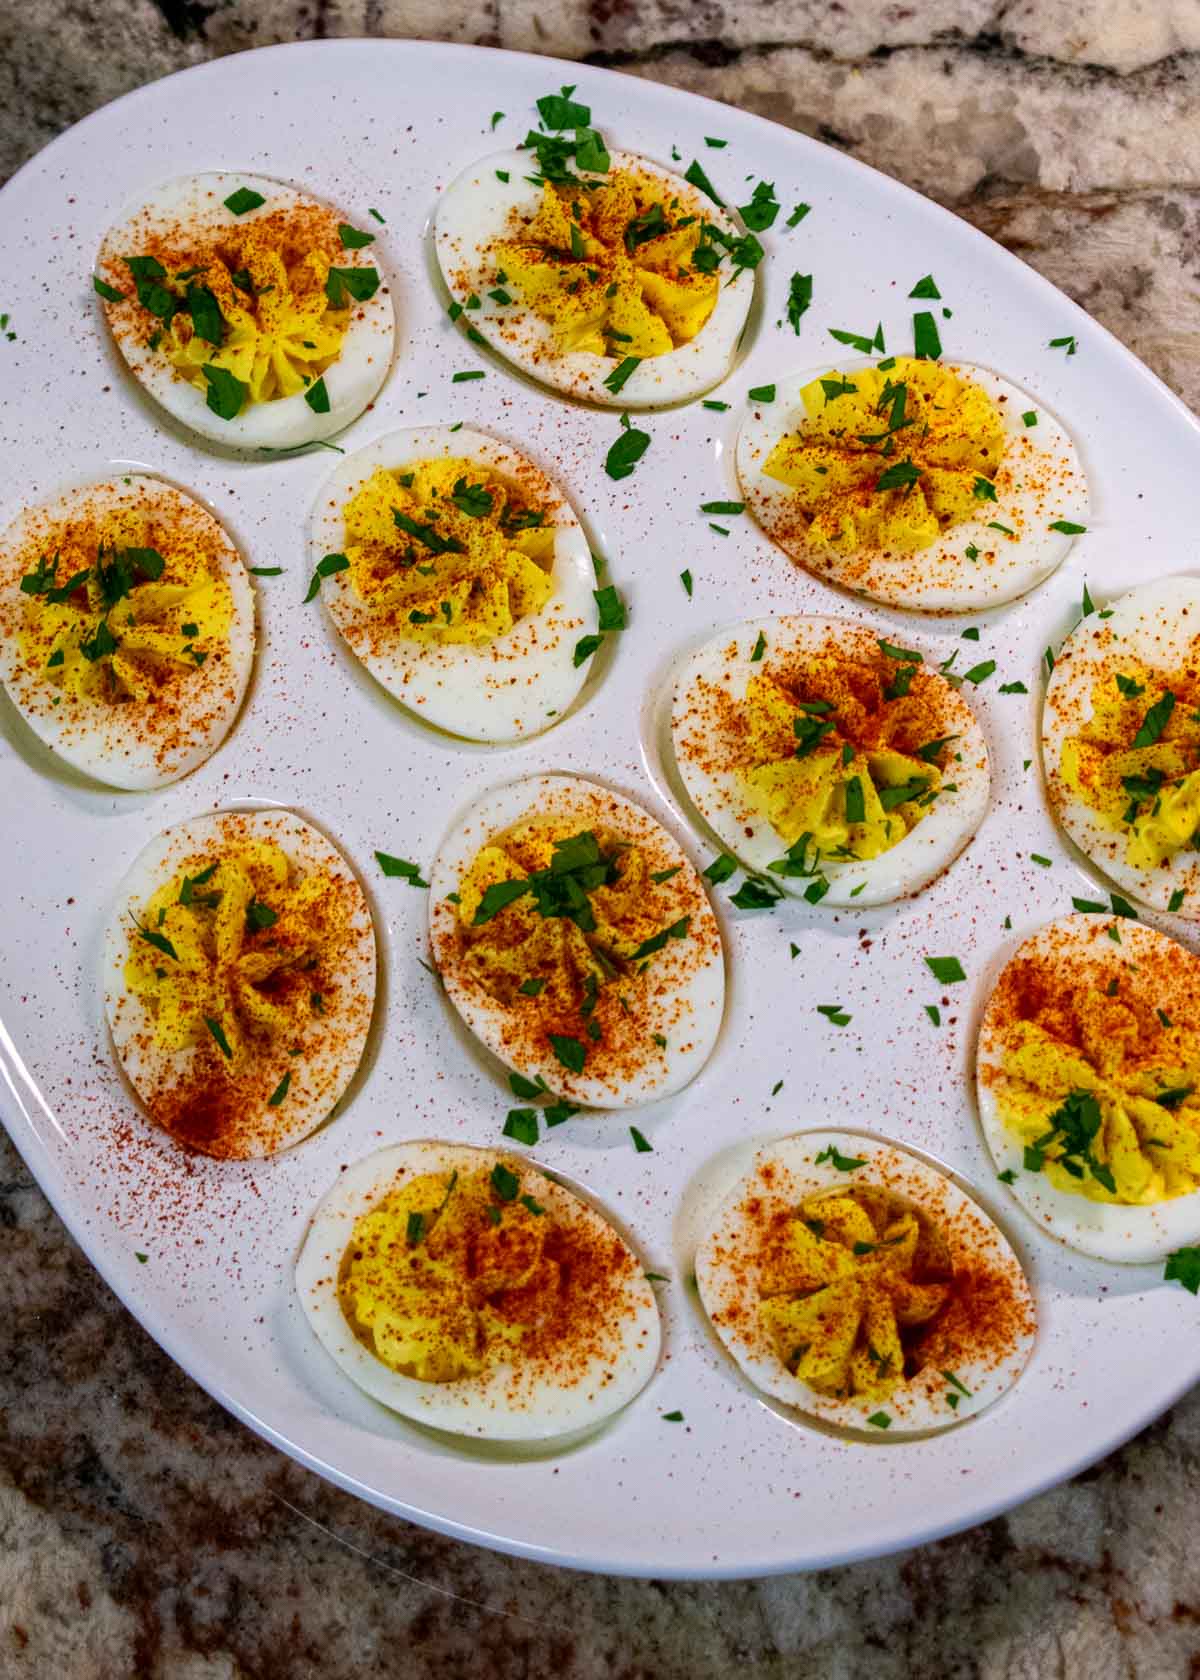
202 1251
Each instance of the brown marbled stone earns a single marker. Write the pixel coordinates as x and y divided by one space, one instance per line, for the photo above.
142 1531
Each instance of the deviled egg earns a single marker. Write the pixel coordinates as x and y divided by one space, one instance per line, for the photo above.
616 281
855 1282
1088 1069
251 312
471 1291
240 980
922 484
126 629
846 768
460 576
1121 741
576 941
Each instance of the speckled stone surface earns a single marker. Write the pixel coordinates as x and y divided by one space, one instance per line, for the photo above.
142 1531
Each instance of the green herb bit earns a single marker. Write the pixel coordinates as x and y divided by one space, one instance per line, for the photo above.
1183 1266
947 970
926 287
934 1013
640 1142
834 1013
326 567
798 215
401 869
241 202
522 1124
218 1031
800 289
620 375
570 1052
927 343
226 394
359 283
842 1163
317 397
685 578
761 393
505 1183
110 294
1069 529
352 238
756 894
696 176
1068 344
280 1091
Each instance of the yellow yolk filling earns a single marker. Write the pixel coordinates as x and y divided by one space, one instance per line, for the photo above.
565 961
444 1278
1150 792
1150 1147
230 945
110 651
582 265
484 560
281 332
860 425
840 1283
851 803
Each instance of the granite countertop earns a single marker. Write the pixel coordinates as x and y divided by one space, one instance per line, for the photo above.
145 1533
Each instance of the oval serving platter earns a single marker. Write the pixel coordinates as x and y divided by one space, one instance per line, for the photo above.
202 1251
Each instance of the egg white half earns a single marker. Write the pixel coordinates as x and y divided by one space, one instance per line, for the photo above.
503 690
940 578
140 743
1158 625
477 209
786 1172
528 1400
1105 1230
723 667
331 1046
197 202
686 1002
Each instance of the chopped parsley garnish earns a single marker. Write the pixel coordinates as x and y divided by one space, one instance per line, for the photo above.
760 648
907 655
110 294
475 500
414 1229
934 1013
1073 1127
317 397
763 207
926 287
1177 898
464 377
880 1420
657 941
359 283
1155 721
280 1091
243 200
401 869
504 1183
695 174
1068 344
1067 527
640 1142
834 1013
558 111
799 299
218 1031
569 1051
1013 688
798 215
522 1124
843 1163
984 490
856 341
947 970
755 894
979 673
352 238
611 608
901 476
326 568
761 393
620 375
720 869
259 916
685 578
433 540
1129 687
927 343
626 452
585 647
226 394
729 509
1008 1176
1183 1266
661 875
